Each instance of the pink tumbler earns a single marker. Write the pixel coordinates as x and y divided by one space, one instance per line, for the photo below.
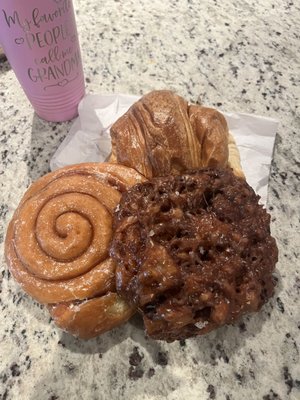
41 43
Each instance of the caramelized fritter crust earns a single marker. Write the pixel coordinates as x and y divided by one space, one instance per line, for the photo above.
193 252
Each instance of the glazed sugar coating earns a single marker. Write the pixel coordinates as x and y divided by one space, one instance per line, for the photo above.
193 252
57 245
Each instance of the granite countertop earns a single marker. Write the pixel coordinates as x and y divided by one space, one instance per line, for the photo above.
237 56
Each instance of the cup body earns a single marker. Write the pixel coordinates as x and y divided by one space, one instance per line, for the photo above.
41 43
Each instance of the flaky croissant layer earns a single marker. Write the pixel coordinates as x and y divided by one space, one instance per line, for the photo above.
161 134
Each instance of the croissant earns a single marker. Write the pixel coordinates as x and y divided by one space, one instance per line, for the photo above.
162 134
57 245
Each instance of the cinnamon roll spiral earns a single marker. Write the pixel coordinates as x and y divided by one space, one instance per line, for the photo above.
57 245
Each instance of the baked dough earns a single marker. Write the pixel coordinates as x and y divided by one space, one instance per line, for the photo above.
161 134
193 252
57 244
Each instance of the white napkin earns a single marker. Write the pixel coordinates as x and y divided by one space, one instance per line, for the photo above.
89 138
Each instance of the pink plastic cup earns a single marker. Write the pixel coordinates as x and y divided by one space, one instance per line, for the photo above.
41 43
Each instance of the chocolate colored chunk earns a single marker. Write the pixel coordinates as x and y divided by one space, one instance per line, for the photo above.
193 252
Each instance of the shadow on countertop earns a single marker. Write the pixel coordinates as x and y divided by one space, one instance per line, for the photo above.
126 362
99 370
222 343
4 66
45 139
134 329
230 338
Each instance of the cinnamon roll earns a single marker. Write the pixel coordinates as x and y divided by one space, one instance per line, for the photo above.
57 245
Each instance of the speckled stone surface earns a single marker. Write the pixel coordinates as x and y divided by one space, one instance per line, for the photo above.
238 56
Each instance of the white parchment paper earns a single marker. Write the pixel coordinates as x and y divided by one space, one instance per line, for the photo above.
89 138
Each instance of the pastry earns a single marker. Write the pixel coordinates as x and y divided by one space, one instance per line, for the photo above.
57 245
162 134
92 317
234 159
193 252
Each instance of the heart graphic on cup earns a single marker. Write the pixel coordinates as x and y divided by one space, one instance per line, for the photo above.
19 40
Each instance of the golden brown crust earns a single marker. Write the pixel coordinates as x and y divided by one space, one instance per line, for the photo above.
91 317
155 136
161 134
210 128
234 159
57 242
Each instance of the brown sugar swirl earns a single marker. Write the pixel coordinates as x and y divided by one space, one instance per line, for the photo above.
193 252
57 245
